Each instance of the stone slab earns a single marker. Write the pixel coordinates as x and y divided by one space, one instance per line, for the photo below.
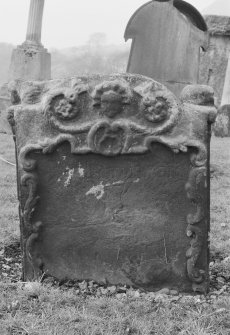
214 62
30 62
166 40
113 175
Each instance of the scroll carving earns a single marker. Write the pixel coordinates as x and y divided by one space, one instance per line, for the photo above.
108 139
197 178
195 275
30 181
34 259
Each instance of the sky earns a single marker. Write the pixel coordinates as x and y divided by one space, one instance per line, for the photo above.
68 23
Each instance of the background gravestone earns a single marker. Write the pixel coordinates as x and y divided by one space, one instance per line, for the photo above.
222 124
113 176
214 62
167 37
31 61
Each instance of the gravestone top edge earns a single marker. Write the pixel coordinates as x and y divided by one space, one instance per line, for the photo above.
118 90
191 13
218 25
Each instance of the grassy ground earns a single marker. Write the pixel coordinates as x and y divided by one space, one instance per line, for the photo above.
35 309
9 225
52 311
220 195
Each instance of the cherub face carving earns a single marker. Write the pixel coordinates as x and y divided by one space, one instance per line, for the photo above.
111 97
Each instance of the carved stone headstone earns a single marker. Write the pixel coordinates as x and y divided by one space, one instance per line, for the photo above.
166 41
222 124
113 176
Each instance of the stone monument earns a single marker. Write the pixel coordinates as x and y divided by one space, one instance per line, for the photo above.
31 61
113 178
166 39
214 63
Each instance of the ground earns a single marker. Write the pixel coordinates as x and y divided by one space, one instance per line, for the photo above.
52 308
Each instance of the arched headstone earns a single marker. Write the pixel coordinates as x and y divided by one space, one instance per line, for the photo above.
167 37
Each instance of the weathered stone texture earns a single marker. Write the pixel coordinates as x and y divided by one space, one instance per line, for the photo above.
113 177
222 124
30 62
214 62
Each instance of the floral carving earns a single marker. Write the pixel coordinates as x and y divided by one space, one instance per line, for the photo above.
156 109
158 106
65 105
64 109
111 97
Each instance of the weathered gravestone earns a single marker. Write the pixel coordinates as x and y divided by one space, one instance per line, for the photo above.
166 41
222 124
29 61
113 176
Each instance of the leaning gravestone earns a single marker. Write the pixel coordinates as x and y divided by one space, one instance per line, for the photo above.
113 176
166 41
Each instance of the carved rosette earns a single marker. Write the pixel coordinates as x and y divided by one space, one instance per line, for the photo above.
63 106
160 107
118 116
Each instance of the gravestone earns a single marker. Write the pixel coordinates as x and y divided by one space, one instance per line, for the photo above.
214 65
222 124
113 178
166 41
31 61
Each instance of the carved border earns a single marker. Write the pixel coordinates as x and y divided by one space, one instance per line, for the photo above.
196 177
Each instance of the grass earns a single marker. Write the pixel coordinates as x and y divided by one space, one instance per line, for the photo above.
9 222
42 309
220 195
52 311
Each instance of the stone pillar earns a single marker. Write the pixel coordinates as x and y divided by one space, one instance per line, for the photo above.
34 27
31 61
